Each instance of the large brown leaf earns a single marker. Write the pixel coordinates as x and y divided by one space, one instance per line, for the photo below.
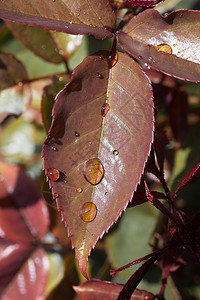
110 152
95 289
152 37
24 266
76 17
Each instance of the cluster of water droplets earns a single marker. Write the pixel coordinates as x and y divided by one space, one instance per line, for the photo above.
93 170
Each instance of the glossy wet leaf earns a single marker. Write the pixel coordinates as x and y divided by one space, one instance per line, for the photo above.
148 35
38 40
87 159
69 17
95 289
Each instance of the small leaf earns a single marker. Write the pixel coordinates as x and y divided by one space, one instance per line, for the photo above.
105 290
38 40
151 37
100 159
11 71
193 174
69 17
147 3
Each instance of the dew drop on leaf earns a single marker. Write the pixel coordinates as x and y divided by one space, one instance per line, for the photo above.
164 48
53 174
88 212
105 108
99 75
76 134
93 171
48 138
54 148
79 190
55 195
116 152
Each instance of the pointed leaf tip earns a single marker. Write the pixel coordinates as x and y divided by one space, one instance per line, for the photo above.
98 155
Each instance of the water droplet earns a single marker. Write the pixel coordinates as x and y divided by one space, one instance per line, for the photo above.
90 143
60 209
105 108
93 171
116 152
88 212
65 180
150 59
54 148
79 190
76 134
99 18
53 174
114 61
55 196
164 48
48 138
99 75
147 298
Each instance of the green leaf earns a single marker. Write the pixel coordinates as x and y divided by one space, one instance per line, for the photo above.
38 40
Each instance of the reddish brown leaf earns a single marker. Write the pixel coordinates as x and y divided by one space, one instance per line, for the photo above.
12 257
11 71
23 222
110 152
20 203
103 290
78 17
147 3
168 44
193 174
31 282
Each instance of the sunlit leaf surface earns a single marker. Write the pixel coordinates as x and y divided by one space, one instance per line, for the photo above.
79 17
169 44
94 157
